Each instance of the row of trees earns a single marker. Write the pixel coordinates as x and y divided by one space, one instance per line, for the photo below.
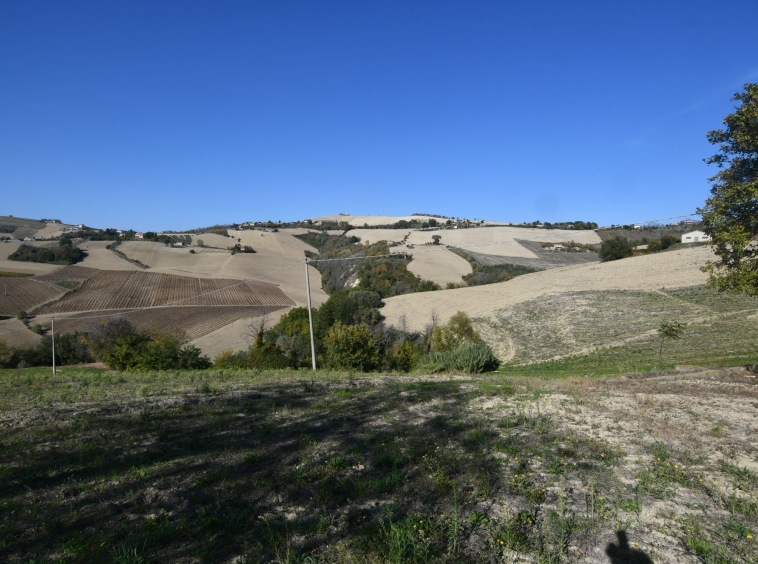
579 225
350 334
117 343
619 247
64 253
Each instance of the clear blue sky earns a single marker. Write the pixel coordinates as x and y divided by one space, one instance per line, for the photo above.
172 115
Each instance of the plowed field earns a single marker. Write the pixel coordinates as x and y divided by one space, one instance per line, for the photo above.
109 290
15 334
70 273
23 294
195 320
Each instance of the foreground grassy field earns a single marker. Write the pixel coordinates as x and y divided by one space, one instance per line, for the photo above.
276 467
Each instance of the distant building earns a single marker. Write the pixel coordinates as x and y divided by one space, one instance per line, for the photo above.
28 238
695 237
636 226
139 235
688 222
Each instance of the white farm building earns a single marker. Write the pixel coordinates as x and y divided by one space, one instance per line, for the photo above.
695 237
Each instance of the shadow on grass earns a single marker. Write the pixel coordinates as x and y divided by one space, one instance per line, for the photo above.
275 475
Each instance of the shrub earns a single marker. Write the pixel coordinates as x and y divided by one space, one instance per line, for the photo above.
267 356
458 330
71 348
405 357
37 355
230 359
366 299
351 347
5 352
192 358
663 243
615 248
472 358
122 347
64 253
21 315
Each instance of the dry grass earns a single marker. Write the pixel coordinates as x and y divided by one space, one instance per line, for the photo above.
676 269
576 323
441 265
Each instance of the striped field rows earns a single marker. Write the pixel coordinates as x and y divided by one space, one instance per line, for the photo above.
195 321
111 290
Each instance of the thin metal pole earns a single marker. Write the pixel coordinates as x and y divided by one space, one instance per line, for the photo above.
52 330
310 315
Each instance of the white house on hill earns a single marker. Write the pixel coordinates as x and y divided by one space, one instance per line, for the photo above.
695 237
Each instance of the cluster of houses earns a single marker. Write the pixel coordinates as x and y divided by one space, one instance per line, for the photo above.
672 225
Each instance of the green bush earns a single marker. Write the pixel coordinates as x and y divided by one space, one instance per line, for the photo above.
351 347
230 359
71 348
459 330
263 356
405 357
663 243
5 352
472 358
267 356
64 253
122 347
615 248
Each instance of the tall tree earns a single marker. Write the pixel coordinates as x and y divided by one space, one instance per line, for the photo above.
730 215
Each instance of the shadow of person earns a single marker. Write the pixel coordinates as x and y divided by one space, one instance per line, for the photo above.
622 553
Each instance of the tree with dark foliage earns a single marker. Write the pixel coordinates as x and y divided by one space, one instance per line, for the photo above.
615 249
730 215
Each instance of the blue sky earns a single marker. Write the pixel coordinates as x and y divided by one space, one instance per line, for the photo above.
173 115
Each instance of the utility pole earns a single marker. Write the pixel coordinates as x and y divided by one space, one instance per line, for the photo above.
52 330
310 315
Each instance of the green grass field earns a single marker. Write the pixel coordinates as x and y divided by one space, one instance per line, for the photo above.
221 466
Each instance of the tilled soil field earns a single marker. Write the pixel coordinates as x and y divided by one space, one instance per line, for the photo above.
123 289
24 294
195 321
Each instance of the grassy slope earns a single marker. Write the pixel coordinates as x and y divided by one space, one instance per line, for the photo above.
205 467
616 331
